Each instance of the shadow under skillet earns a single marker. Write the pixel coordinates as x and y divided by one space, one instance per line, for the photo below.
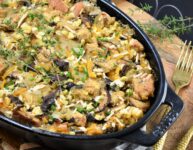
176 8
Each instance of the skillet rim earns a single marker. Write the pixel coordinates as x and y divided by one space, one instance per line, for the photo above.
158 100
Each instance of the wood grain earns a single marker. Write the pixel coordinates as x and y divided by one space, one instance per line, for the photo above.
169 52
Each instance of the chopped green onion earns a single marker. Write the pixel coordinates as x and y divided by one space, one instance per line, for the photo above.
103 39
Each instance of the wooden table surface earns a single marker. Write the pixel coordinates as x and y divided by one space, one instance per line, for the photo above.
169 52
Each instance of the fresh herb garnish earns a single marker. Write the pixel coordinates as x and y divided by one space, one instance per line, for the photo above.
53 107
19 30
3 5
7 21
49 42
6 53
35 15
76 71
167 27
95 104
85 75
10 84
79 51
146 7
24 43
81 109
68 74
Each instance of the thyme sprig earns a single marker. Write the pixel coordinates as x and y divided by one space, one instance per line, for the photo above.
146 7
167 27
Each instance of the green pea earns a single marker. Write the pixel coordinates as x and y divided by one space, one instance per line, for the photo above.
129 92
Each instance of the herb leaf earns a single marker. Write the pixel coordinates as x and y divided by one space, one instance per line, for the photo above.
79 51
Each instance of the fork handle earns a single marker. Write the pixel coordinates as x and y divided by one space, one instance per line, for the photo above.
140 137
177 90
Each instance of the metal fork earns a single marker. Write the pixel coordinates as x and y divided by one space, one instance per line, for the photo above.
184 68
181 77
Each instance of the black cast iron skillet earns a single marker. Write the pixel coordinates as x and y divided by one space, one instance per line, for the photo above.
133 134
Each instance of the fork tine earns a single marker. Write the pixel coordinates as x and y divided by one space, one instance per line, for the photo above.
188 66
191 68
180 58
184 60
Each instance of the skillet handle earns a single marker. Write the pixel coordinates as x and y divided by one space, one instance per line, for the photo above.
148 139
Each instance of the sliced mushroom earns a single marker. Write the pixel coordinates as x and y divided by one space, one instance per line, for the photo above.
108 81
106 101
26 3
91 118
124 70
88 20
16 100
63 65
70 85
48 101
56 78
